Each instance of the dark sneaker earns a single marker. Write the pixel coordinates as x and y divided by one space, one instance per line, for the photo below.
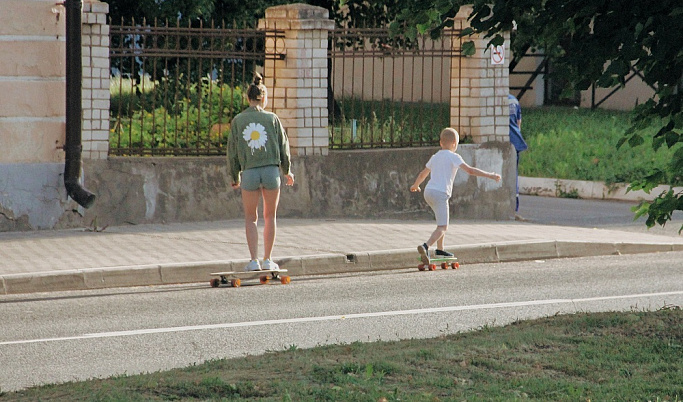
423 249
442 253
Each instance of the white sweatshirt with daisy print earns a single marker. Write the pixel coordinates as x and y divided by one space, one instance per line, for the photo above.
257 138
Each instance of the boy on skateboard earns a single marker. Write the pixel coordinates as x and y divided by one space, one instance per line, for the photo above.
441 168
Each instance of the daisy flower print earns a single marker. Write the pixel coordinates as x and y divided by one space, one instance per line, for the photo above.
255 135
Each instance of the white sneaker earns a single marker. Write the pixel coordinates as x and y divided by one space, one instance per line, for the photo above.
269 265
253 266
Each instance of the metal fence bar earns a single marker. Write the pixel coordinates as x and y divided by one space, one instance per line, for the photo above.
179 86
380 106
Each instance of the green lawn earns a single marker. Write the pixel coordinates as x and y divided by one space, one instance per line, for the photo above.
581 144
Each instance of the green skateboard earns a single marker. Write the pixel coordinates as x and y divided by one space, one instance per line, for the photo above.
444 262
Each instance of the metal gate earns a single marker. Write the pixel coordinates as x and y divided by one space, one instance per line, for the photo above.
175 89
388 92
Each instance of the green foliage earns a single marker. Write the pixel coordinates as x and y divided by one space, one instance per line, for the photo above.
581 144
162 120
387 124
162 10
350 13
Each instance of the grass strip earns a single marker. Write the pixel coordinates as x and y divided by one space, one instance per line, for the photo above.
581 144
631 356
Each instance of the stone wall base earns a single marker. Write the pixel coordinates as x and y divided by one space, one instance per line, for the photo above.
343 184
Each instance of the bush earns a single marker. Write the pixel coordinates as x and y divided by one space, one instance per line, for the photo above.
163 116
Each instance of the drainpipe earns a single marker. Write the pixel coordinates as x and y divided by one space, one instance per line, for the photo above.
74 76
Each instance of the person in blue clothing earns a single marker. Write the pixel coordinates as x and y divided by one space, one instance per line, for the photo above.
516 137
441 169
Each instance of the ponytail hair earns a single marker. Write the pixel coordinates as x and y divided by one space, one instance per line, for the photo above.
257 90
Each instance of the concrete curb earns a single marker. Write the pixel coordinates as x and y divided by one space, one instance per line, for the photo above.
586 189
197 272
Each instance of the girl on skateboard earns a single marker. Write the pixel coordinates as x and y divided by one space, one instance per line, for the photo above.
258 149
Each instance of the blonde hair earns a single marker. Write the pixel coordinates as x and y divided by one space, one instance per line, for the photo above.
449 135
257 90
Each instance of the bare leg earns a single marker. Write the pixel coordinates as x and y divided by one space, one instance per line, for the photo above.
437 237
271 199
250 201
439 243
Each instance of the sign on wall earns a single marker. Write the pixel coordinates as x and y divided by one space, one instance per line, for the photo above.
497 55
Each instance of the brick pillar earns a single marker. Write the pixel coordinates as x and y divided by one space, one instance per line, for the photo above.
297 85
479 89
95 91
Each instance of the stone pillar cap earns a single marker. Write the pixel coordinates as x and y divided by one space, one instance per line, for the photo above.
299 11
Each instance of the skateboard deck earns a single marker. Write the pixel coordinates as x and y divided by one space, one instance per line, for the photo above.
234 278
444 262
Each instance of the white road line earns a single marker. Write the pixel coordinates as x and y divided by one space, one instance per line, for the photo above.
338 317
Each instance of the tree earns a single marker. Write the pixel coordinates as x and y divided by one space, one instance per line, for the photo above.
159 9
594 41
238 12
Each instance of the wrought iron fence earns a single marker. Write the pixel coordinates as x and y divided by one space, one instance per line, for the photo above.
175 89
389 92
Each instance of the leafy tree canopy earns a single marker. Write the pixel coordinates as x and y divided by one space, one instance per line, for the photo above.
151 10
348 12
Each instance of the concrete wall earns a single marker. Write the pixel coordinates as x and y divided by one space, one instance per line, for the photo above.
533 97
32 112
32 82
411 77
32 121
342 184
635 92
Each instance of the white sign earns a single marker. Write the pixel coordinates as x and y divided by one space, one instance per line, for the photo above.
497 55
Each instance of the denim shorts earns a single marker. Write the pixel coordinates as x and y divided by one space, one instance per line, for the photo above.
267 177
438 201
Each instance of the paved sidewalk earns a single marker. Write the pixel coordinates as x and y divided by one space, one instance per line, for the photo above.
43 261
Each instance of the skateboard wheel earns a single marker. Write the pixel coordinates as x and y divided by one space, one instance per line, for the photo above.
432 267
264 279
444 265
285 280
235 283
455 265
215 282
421 267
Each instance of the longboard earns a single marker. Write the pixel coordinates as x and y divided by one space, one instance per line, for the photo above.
234 278
444 262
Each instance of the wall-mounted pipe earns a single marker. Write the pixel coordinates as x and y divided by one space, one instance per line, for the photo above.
74 112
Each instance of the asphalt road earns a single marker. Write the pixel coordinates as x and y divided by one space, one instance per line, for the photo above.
59 337
606 214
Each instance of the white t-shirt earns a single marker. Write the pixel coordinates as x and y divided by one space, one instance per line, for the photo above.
443 166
